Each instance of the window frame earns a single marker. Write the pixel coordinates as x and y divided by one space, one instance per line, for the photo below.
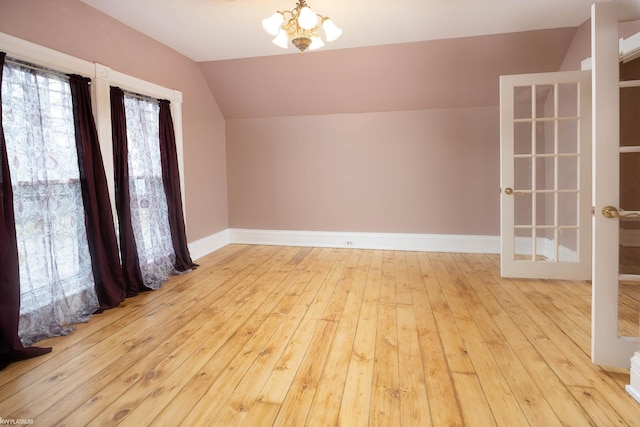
102 77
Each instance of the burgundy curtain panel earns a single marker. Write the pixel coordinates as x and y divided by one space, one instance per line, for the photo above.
11 348
128 248
171 181
101 234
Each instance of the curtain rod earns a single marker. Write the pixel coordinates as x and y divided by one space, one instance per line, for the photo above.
35 67
41 68
140 96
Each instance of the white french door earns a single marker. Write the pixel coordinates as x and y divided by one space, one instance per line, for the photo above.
608 347
547 218
545 177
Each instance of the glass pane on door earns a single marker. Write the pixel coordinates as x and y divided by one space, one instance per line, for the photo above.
545 244
522 138
545 137
629 255
568 178
545 209
629 249
545 101
545 173
628 308
568 205
568 136
522 101
523 209
568 100
629 113
568 244
522 170
523 244
546 178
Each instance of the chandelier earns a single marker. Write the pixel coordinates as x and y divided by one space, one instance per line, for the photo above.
302 27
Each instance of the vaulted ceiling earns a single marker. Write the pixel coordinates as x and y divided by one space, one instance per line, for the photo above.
415 54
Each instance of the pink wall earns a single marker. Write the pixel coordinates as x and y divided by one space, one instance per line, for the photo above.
74 28
425 171
397 138
580 48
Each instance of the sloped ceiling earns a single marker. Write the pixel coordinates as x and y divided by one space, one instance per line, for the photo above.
415 54
451 73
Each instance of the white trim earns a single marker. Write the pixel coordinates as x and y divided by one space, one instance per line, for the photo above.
209 244
389 241
629 49
100 96
142 87
634 388
382 241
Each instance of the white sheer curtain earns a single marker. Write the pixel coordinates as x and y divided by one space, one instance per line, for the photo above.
148 201
56 281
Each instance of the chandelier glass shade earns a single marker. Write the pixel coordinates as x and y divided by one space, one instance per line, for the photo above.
302 26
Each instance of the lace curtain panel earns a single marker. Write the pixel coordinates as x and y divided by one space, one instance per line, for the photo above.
56 281
148 202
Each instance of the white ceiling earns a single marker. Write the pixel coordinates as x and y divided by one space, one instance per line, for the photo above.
208 30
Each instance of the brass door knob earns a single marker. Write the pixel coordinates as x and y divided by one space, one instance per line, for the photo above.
610 212
508 191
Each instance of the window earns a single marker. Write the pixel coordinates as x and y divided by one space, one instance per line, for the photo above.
55 265
148 201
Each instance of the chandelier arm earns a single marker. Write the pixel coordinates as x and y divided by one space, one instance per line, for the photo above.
295 12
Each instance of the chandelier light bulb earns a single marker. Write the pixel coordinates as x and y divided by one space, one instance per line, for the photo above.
331 31
272 24
281 39
307 19
316 43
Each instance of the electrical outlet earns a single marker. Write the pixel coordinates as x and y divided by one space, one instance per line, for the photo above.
349 243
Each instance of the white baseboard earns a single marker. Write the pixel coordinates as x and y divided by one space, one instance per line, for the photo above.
634 388
208 244
389 241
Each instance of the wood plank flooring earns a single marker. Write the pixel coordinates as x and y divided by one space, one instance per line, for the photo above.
289 336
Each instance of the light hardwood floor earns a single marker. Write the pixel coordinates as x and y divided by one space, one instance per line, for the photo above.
286 336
